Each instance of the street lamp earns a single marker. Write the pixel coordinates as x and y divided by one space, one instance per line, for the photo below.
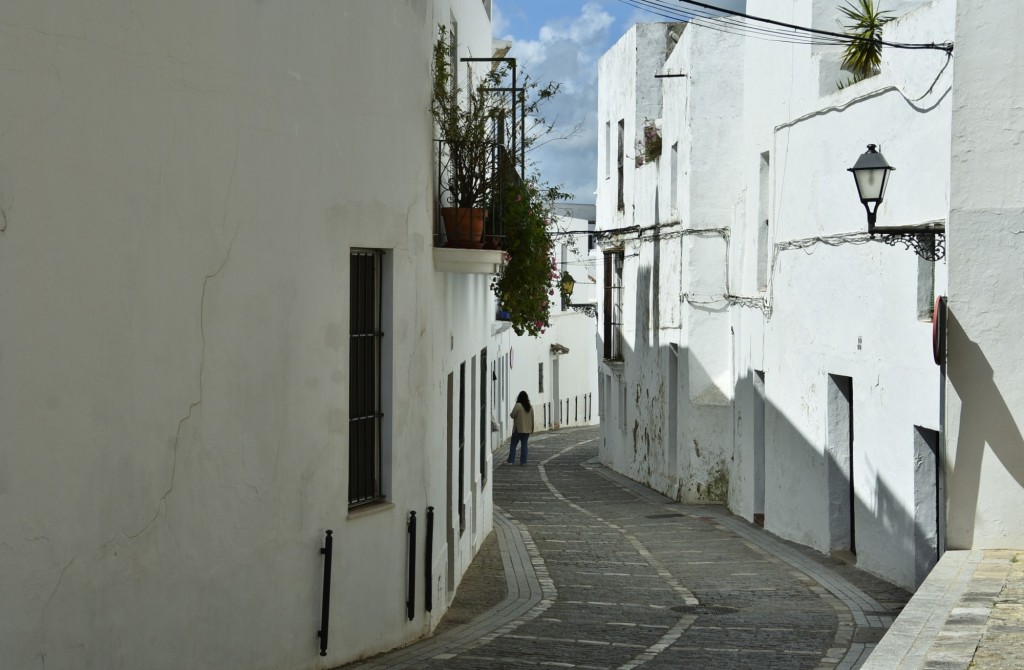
871 174
568 284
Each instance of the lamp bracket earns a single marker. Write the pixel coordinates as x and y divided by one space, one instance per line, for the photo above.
586 308
931 246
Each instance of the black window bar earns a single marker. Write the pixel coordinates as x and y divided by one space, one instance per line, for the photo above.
462 448
410 601
485 424
325 606
428 552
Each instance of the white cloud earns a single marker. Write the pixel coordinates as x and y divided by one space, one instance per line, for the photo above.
591 22
566 51
499 24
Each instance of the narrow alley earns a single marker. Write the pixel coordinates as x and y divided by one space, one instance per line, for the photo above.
604 574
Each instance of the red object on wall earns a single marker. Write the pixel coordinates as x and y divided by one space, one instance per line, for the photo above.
939 330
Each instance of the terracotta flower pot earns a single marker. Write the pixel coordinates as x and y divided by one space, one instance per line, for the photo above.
463 226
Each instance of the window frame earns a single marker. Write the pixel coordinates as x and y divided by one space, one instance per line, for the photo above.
366 409
614 264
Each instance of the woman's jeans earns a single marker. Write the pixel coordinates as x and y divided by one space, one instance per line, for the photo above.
516 439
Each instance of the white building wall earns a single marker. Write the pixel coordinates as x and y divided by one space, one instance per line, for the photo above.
985 391
853 309
181 186
781 138
616 103
570 379
675 278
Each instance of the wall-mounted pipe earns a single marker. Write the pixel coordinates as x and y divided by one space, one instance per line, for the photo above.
428 594
325 607
410 602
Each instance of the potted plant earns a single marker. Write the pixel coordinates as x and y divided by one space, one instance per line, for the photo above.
466 121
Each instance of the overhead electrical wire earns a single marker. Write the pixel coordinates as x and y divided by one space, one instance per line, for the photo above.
725 24
712 21
946 46
739 23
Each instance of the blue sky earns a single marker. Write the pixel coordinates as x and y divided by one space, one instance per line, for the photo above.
561 41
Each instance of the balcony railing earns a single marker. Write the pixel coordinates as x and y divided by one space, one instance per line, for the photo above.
454 227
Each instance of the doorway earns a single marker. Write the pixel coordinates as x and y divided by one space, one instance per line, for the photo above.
759 440
449 488
926 502
839 451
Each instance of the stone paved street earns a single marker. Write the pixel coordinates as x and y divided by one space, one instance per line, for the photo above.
604 574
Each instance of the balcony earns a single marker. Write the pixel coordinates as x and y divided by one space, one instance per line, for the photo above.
471 241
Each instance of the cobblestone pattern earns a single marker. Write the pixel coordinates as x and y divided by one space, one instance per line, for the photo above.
607 575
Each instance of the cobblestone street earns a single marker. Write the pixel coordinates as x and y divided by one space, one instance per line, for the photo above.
604 574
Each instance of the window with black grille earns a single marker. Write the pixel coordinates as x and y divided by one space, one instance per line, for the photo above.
462 447
364 392
485 425
613 262
620 159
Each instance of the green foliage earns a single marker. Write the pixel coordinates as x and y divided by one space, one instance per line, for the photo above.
863 55
649 150
525 284
466 120
470 123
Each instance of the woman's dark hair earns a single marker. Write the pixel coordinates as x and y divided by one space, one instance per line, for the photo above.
524 400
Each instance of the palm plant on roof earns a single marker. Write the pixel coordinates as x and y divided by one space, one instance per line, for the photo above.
863 55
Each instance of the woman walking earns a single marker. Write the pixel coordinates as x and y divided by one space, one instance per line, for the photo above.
522 426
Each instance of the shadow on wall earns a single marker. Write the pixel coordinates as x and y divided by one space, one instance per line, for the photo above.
985 419
748 455
803 491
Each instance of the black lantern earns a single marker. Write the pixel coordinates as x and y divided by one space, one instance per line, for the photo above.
568 284
871 173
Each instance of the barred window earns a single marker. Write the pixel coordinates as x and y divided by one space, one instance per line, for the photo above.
364 404
613 261
621 162
485 424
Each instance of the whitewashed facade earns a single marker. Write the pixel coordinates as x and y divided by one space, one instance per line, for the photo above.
773 358
557 369
985 379
182 188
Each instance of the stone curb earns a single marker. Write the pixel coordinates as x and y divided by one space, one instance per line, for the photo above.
526 599
949 617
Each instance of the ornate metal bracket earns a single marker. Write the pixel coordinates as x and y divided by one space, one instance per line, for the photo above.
929 246
587 308
927 241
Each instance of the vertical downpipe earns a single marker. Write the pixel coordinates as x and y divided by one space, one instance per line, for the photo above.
428 594
325 608
410 602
